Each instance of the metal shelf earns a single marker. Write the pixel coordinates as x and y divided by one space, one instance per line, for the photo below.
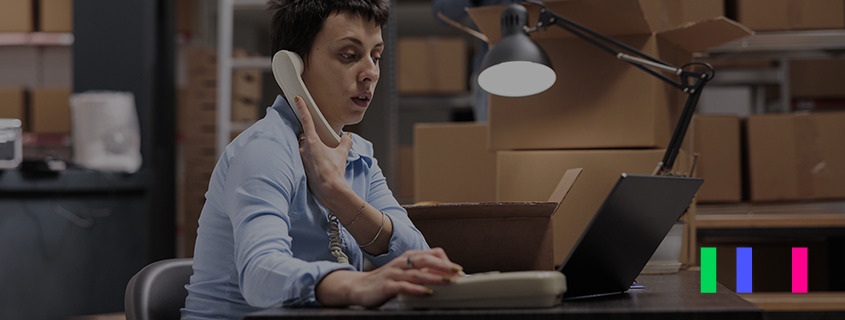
787 215
36 39
811 44
780 46
262 63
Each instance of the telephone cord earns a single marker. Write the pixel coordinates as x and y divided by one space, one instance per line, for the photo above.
335 241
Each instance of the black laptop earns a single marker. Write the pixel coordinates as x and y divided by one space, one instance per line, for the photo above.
625 232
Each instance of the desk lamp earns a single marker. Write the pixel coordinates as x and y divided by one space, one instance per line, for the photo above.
516 66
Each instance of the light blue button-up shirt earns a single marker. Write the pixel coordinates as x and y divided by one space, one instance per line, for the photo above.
263 238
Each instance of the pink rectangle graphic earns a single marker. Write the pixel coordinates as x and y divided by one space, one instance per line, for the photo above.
799 270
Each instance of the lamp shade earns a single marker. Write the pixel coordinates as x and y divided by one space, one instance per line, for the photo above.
516 66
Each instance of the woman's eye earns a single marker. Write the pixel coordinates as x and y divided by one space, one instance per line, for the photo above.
376 59
348 56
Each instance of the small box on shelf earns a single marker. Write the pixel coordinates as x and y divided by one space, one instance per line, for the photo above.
55 15
16 16
13 103
50 111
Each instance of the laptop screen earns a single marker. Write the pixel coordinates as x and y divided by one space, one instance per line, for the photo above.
625 231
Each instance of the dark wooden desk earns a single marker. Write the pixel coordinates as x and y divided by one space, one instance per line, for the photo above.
674 296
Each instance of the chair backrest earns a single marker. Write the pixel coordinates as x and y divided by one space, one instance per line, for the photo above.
158 290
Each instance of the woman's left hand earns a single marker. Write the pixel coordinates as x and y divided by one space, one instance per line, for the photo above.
324 166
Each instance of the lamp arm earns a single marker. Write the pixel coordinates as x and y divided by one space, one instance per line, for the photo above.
690 82
547 17
665 166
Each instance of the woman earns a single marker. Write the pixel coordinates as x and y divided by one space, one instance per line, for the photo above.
280 200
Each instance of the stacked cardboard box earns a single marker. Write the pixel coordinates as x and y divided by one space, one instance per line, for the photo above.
16 16
432 65
13 103
55 15
49 111
246 92
602 115
717 143
777 15
796 157
197 125
453 164
198 128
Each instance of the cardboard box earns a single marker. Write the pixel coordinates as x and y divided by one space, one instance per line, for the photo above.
533 175
247 83
452 163
55 15
796 156
16 16
405 189
717 143
668 14
244 108
490 236
12 103
817 78
770 15
432 65
597 100
50 111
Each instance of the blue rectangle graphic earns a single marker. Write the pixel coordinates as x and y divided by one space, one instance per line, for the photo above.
743 270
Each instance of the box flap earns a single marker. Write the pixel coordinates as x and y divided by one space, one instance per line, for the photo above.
489 210
608 17
701 35
564 186
669 14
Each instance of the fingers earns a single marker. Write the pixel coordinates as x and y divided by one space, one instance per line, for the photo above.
435 260
305 118
410 289
345 143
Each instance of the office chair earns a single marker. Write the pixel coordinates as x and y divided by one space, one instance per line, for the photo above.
158 290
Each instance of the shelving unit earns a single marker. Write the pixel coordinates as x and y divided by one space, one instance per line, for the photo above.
35 39
787 215
780 46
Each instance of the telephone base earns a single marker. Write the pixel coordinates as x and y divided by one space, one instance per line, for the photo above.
521 289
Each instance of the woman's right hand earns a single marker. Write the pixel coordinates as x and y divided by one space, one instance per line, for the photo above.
411 274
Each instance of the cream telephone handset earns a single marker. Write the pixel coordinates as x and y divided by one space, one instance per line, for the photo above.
287 69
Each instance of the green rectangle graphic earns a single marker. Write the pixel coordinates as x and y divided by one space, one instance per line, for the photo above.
708 270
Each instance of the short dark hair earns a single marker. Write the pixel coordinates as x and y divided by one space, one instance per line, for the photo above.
296 23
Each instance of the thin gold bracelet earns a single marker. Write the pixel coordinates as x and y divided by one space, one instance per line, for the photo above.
360 211
377 233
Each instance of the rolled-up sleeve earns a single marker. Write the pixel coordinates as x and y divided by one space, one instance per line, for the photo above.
405 235
259 192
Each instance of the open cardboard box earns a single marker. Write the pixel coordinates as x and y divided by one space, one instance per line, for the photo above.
597 100
494 236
